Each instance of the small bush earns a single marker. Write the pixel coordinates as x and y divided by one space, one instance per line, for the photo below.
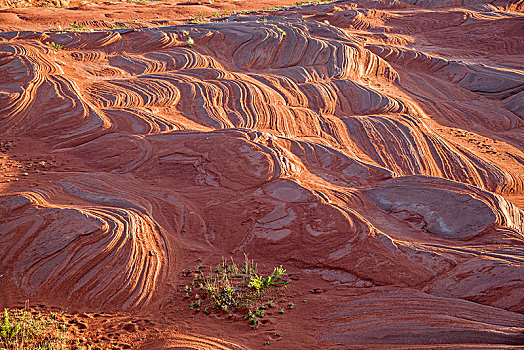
229 287
199 18
54 45
20 329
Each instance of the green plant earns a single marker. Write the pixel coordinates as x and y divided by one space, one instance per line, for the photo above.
20 329
199 18
189 41
260 313
254 320
276 8
229 288
256 282
73 27
78 28
118 25
54 45
300 3
259 282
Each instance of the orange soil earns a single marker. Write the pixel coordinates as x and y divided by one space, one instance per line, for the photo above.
373 148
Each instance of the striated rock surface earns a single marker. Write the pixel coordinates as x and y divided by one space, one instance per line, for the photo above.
374 148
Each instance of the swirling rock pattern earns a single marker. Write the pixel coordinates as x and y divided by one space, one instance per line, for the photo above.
354 142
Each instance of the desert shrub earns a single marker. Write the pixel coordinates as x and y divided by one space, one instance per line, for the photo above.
21 329
231 288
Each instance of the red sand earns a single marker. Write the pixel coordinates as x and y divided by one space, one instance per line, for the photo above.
373 148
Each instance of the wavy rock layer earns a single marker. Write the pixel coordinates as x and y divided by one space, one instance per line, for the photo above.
354 142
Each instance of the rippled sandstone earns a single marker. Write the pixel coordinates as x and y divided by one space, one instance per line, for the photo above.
373 148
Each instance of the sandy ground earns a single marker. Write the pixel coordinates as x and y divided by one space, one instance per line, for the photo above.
54 14
373 148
